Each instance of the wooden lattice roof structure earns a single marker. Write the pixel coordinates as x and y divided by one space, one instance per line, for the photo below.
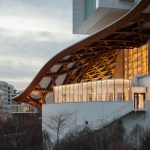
92 58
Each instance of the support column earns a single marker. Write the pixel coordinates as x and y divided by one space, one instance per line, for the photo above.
119 69
148 57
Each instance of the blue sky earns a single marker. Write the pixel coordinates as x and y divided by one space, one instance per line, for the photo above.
31 32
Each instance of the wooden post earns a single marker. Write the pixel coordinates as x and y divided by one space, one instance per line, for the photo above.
148 57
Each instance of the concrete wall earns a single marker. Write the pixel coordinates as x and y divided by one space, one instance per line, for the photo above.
110 9
136 1
101 18
96 113
141 118
141 84
145 82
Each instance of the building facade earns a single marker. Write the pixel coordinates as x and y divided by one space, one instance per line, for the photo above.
111 67
21 110
7 95
90 16
119 51
8 91
8 107
1 100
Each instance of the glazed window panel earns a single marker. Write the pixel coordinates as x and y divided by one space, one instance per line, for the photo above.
80 86
144 58
136 61
110 90
99 90
119 96
90 6
119 89
94 89
85 92
60 94
63 93
89 91
105 90
76 93
56 94
67 94
71 93
109 96
126 90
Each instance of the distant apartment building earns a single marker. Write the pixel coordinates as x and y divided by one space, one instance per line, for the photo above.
7 105
6 95
8 91
1 100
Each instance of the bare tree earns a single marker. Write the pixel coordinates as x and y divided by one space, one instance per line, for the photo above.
108 138
57 124
145 138
47 143
135 136
20 135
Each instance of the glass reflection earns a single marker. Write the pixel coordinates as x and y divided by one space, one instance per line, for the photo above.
136 61
105 90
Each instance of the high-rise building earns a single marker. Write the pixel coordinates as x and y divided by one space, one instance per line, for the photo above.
90 16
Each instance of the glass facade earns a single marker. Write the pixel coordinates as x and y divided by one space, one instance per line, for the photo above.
90 7
136 61
105 90
23 108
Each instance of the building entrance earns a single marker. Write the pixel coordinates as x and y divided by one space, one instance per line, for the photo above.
139 99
